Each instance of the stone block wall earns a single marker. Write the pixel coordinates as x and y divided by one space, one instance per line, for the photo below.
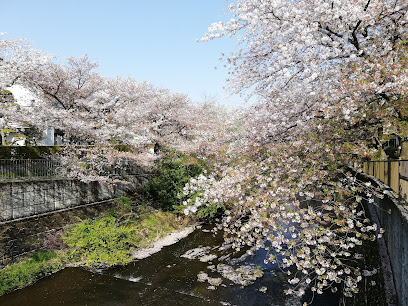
20 199
393 217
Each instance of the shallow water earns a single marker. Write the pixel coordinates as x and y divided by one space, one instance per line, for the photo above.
163 279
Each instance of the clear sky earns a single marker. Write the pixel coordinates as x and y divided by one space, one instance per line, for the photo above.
153 41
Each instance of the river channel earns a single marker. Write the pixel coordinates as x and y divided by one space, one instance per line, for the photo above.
169 277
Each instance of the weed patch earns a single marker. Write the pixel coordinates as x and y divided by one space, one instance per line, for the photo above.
105 242
28 271
101 242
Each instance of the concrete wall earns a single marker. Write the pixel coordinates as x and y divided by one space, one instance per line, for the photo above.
20 199
392 212
394 220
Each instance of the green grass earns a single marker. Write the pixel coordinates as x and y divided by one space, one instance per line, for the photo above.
156 225
28 271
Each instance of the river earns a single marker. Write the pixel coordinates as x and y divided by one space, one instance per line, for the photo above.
165 279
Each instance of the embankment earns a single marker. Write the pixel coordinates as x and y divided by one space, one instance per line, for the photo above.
19 199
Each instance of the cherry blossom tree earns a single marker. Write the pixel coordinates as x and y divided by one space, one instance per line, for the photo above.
17 59
7 109
121 112
330 79
115 120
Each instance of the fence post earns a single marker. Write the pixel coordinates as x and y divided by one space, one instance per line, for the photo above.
374 172
29 168
399 182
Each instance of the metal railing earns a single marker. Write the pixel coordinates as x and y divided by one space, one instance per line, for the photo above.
11 169
393 173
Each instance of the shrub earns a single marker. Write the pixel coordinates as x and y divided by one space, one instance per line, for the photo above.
104 242
43 256
101 242
173 173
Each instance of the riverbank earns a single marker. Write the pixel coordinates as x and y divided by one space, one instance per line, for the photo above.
95 244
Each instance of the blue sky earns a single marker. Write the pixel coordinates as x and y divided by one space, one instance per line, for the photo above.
147 40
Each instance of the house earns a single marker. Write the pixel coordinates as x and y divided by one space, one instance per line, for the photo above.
392 147
20 134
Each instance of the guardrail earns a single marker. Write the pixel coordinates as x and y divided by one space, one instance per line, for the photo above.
11 169
393 173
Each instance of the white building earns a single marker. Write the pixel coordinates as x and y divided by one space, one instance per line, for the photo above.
25 98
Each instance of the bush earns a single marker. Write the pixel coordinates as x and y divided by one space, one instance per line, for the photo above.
173 173
124 203
44 256
101 242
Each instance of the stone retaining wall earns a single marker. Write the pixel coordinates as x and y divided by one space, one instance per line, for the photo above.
20 199
394 220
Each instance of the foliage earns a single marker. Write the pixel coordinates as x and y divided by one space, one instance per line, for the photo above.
330 79
43 256
122 208
125 203
101 242
26 272
105 241
174 172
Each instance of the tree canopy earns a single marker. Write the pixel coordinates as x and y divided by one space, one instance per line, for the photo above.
330 78
102 115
